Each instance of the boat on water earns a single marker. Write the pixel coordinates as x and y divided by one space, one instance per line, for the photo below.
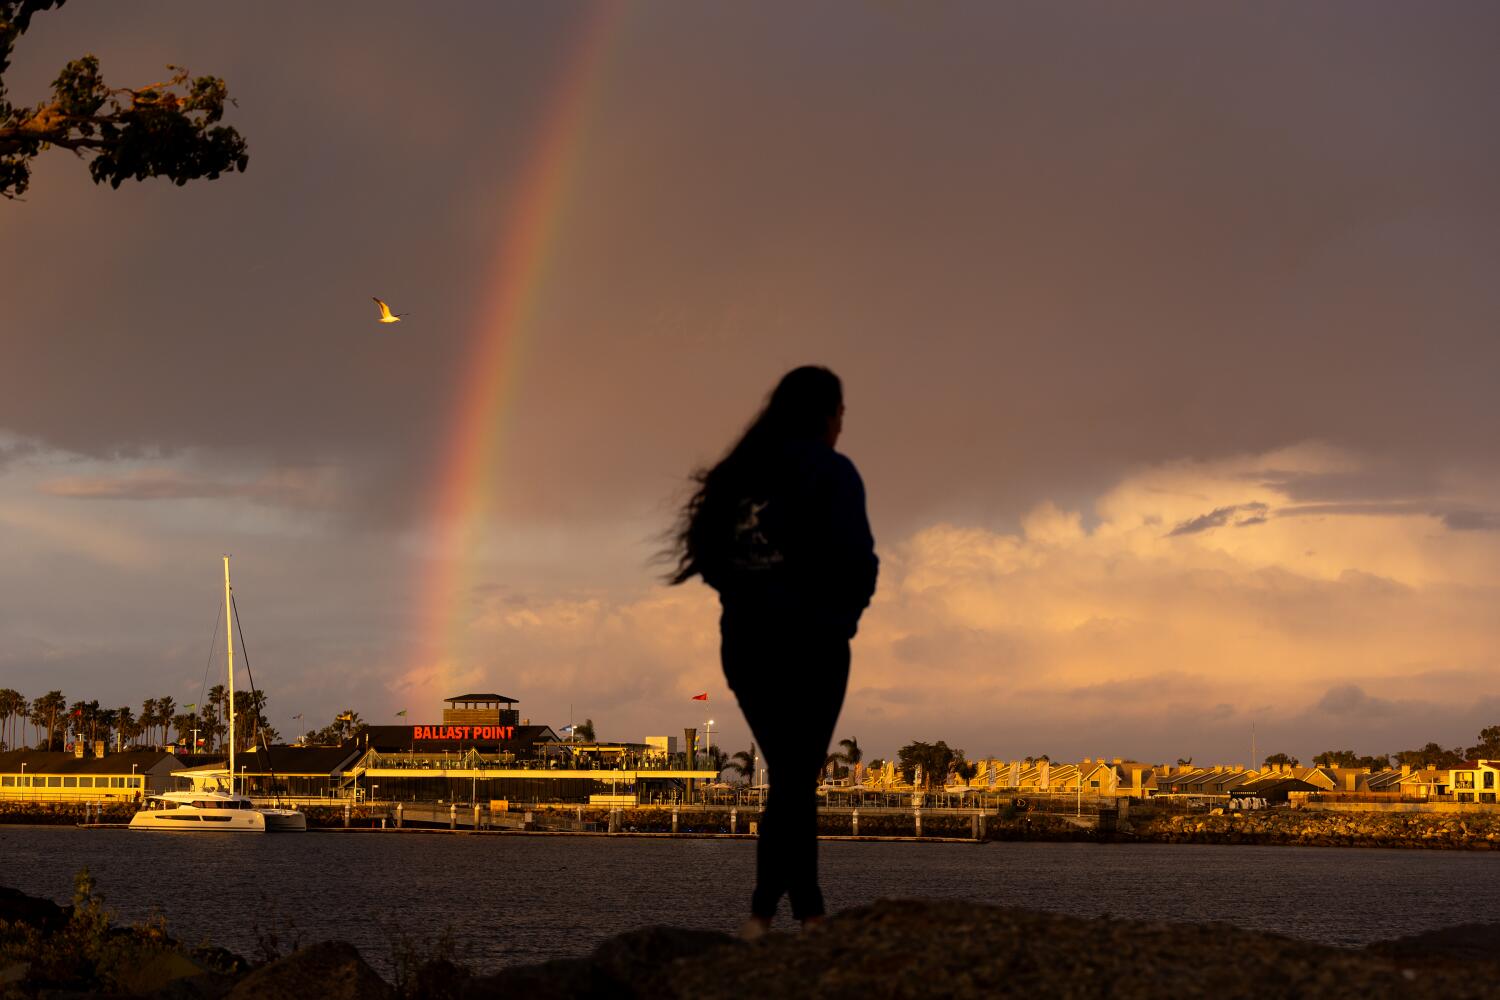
214 812
219 809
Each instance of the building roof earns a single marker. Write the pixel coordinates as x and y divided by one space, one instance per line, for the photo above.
285 759
481 697
1381 779
1275 783
57 762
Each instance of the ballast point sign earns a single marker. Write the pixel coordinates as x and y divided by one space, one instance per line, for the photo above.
463 732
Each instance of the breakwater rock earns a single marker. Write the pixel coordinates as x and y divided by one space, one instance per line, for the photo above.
1314 828
892 948
65 813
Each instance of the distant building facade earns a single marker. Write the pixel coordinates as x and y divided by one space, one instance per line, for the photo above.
51 776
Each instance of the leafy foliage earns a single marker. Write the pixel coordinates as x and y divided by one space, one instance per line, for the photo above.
1431 755
166 129
1488 747
1348 758
742 764
346 726
90 954
935 760
1276 759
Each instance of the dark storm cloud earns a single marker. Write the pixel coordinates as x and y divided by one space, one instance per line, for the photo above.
1460 519
1377 479
1052 250
11 451
1369 508
1032 276
1351 699
1219 517
1471 520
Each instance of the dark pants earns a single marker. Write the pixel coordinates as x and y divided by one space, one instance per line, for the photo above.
790 684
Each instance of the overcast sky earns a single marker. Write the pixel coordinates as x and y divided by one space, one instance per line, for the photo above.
1168 337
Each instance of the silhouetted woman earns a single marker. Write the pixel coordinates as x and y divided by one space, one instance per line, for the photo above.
778 528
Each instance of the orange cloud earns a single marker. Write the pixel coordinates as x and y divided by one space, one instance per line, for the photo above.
1133 632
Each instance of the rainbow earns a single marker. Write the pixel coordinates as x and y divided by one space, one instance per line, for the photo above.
469 472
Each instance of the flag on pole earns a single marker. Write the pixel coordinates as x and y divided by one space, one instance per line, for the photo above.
567 729
297 716
701 697
401 713
190 706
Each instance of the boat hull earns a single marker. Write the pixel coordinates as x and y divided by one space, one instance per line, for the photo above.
284 820
196 821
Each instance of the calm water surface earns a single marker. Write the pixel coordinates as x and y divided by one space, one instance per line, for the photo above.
510 899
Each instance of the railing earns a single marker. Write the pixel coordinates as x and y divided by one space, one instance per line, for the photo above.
478 762
39 794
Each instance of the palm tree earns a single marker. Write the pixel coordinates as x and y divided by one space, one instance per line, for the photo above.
126 725
48 707
742 764
852 754
165 709
106 720
217 712
347 724
38 723
184 723
11 705
149 718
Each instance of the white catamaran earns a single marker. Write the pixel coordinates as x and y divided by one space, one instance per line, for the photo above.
219 809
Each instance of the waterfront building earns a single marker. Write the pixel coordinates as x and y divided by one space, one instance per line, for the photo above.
292 772
1474 781
1273 787
52 776
482 751
480 710
1387 782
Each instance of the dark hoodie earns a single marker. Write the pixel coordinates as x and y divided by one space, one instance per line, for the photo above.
798 552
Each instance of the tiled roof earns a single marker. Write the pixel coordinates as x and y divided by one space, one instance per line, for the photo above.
55 762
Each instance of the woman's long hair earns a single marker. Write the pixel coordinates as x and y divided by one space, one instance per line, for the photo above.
799 409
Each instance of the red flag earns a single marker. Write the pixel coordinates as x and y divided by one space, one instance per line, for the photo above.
701 697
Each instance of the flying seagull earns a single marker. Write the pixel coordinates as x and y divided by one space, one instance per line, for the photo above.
386 316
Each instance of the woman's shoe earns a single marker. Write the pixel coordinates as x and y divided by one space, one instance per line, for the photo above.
754 929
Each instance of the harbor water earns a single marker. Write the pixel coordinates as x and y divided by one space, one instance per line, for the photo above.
511 899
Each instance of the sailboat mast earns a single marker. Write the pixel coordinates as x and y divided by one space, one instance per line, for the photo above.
229 634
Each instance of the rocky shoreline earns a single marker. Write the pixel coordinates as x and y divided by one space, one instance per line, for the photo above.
1272 827
892 948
